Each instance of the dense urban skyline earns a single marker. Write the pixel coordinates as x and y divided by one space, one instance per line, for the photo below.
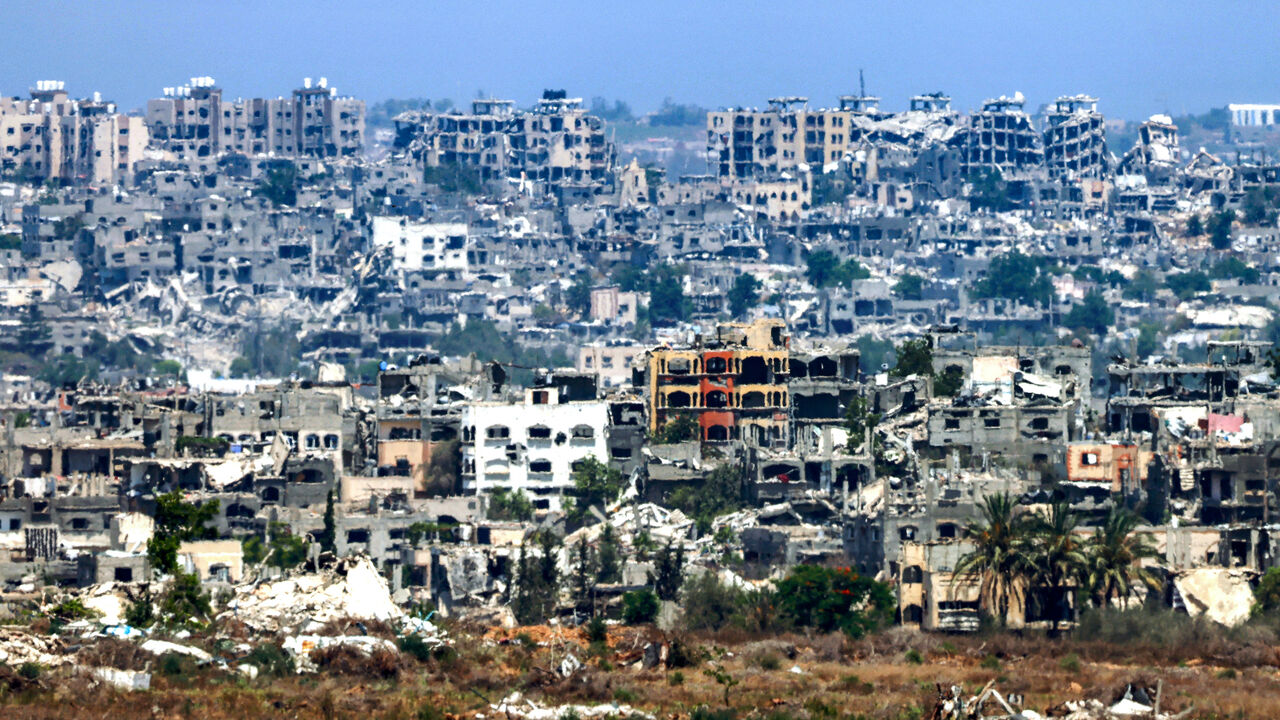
1138 61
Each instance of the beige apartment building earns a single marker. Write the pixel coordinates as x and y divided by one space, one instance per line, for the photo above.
52 136
194 120
749 143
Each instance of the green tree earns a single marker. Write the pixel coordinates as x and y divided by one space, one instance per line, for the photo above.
184 602
949 382
1219 227
640 607
1266 597
1188 284
608 557
240 367
682 427
584 574
280 184
1057 558
998 557
1115 555
824 269
1016 276
668 564
1234 267
915 357
709 604
594 485
744 295
1148 339
909 287
1093 313
1143 286
329 535
510 506
1195 227
828 599
859 420
537 583
578 298
176 522
987 191
722 491
667 303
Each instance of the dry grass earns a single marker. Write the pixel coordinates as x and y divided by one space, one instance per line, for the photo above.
1235 676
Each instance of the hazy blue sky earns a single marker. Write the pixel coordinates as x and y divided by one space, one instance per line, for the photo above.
1138 57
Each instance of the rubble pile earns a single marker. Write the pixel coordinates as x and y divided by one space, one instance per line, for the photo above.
989 704
19 646
517 706
352 588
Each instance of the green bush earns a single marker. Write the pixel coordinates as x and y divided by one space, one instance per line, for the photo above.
828 599
30 670
990 662
597 630
270 660
913 657
624 695
1070 663
639 607
675 678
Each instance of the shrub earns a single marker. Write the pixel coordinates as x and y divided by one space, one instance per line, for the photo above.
597 630
270 660
853 684
639 607
1070 663
708 603
675 678
624 695
768 661
414 646
829 599
176 665
29 670
990 662
914 657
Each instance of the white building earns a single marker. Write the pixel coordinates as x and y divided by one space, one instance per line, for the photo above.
531 446
422 246
1254 115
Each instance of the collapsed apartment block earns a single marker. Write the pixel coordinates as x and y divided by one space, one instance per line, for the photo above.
557 144
193 121
1075 138
1000 137
1025 404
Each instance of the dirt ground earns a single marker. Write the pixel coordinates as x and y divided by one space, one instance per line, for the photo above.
892 675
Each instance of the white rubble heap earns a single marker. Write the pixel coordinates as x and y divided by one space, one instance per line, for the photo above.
352 588
516 706
19 646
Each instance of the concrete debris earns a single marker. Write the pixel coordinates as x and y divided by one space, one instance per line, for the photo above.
18 647
516 706
161 647
1222 595
569 665
300 647
123 679
351 589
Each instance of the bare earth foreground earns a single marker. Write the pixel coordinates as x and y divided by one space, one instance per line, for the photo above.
892 675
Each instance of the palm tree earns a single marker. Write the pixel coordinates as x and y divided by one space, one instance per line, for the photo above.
1114 554
999 554
1057 557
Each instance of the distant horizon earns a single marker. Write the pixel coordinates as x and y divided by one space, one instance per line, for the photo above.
1177 58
